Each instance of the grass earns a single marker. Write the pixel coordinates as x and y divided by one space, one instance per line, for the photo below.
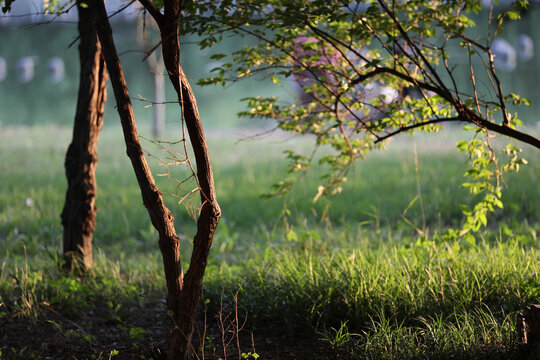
348 278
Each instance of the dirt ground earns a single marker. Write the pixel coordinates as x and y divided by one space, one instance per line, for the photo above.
135 334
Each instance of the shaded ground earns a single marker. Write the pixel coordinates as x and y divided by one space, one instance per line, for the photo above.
83 335
140 334
143 334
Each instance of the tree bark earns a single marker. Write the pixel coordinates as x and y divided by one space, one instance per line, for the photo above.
169 26
180 346
528 327
184 294
206 227
160 215
79 213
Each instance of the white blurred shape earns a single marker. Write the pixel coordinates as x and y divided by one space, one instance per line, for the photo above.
25 69
3 68
56 70
389 94
505 55
525 47
376 89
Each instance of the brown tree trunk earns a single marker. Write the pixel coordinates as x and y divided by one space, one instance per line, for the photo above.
528 327
181 342
184 294
210 213
79 213
160 215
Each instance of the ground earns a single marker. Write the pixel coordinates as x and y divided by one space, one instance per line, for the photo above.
141 334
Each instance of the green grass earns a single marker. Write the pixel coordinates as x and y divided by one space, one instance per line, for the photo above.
349 271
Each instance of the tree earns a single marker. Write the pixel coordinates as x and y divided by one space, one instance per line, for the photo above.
184 292
367 72
338 51
185 306
79 213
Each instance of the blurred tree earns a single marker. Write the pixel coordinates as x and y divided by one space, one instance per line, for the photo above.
145 29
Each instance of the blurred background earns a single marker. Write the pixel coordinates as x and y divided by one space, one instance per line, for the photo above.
39 69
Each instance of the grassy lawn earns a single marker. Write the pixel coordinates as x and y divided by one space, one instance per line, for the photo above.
364 275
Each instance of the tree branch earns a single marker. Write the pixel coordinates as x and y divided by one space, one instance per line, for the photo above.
416 125
411 43
467 115
505 130
152 10
386 70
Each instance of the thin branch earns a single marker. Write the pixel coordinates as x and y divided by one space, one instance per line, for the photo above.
473 42
118 11
305 67
340 42
452 78
153 11
498 90
416 125
152 102
342 130
473 80
443 92
333 41
410 42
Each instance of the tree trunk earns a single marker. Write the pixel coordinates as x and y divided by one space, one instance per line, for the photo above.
184 294
181 347
160 215
155 64
79 213
528 327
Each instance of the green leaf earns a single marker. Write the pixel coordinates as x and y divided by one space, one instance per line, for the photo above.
291 236
469 239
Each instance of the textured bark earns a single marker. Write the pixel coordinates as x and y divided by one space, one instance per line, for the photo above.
184 294
180 346
206 226
79 213
528 327
160 215
188 303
